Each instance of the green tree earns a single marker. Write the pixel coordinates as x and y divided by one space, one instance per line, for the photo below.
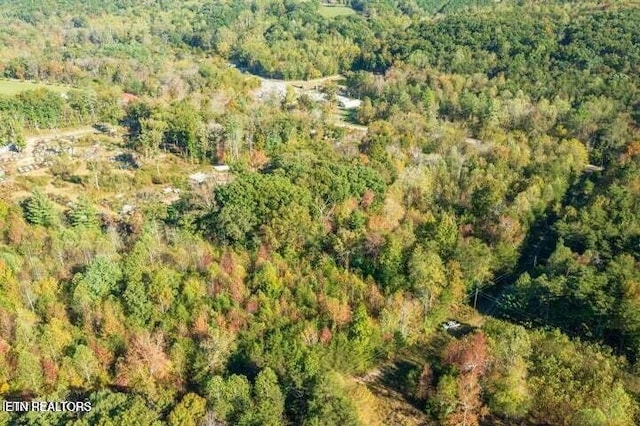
83 214
189 412
269 401
568 378
111 409
230 399
185 130
86 365
427 275
137 303
39 210
11 130
507 388
84 104
362 339
151 135
329 404
101 277
137 113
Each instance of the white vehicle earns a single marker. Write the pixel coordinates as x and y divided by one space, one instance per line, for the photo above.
451 325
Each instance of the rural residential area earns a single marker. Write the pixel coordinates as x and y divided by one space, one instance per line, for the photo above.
304 212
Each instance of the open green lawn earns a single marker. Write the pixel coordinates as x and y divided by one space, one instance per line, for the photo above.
13 87
334 11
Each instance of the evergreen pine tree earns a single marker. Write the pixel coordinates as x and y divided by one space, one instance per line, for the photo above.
39 210
82 214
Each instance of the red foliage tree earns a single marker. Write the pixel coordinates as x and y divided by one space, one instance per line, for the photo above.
469 356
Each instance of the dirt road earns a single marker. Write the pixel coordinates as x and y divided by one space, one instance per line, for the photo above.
32 141
270 87
54 134
26 156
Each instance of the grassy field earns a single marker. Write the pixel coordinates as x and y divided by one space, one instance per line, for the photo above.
335 11
13 87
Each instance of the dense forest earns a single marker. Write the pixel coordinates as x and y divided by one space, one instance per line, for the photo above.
462 249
